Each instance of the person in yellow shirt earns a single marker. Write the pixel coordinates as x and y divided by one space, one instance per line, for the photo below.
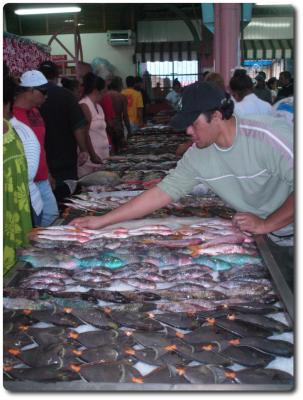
134 104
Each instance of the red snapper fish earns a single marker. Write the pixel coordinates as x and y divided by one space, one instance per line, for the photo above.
220 249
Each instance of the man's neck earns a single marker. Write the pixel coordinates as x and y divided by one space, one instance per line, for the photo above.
228 134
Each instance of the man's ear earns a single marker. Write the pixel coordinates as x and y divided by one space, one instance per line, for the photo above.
217 116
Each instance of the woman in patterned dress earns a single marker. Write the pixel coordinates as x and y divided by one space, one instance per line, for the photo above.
16 202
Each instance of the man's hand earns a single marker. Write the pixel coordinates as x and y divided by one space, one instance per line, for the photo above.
251 223
96 159
87 222
82 157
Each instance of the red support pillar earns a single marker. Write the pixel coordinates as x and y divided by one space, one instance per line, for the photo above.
227 38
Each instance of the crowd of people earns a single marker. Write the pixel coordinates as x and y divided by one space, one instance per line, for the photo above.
55 133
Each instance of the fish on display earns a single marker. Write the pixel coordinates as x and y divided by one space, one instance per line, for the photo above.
205 374
49 373
207 334
263 376
46 336
164 374
98 338
261 321
116 372
246 356
92 316
178 320
273 347
238 259
151 355
16 340
100 354
57 318
240 328
135 320
53 354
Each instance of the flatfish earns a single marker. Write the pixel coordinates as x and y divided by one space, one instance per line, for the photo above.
178 320
50 373
57 318
274 347
261 376
244 355
135 320
164 374
204 374
102 337
240 328
54 354
207 334
260 321
151 355
115 372
47 336
103 353
92 316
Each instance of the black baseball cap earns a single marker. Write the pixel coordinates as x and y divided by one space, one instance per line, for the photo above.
196 99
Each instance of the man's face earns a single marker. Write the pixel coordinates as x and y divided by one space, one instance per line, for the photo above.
282 80
38 96
202 132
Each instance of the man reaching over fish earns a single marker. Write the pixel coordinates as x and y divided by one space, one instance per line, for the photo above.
248 162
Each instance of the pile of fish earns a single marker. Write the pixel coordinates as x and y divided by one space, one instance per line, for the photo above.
155 303
155 144
105 345
95 203
152 304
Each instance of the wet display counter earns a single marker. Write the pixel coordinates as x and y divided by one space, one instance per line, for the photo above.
285 300
155 310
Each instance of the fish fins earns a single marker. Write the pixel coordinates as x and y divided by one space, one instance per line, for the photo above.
194 250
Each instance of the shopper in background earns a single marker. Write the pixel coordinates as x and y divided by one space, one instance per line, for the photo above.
216 78
72 85
121 117
261 90
286 85
65 126
174 95
146 100
246 102
272 85
97 140
134 104
31 94
284 108
17 221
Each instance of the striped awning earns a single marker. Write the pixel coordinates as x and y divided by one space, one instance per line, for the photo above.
166 51
268 49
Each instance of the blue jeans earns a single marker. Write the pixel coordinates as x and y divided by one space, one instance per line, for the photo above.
50 209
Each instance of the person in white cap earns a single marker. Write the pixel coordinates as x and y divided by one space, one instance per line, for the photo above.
31 94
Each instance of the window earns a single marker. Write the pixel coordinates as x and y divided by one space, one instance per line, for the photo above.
164 72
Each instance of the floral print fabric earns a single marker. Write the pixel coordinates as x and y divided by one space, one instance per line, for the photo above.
22 54
16 206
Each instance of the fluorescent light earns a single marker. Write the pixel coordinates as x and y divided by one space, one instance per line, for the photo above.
52 10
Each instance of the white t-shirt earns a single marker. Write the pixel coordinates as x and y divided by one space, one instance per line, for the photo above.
251 104
173 97
285 109
31 147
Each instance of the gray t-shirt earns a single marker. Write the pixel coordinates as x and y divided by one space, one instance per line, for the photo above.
254 175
